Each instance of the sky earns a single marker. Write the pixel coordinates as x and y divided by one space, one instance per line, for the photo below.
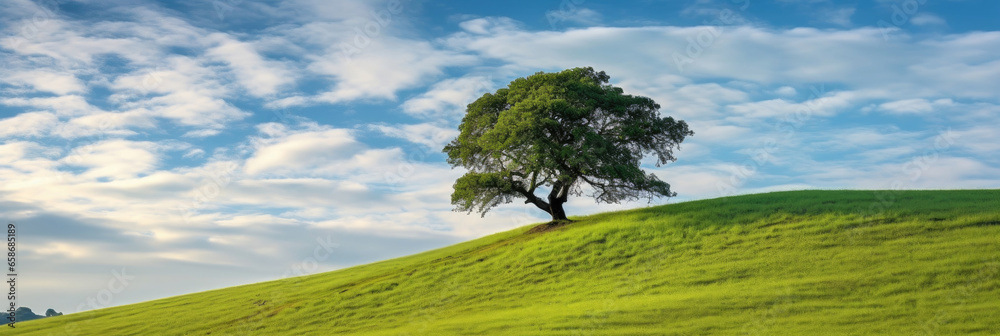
152 149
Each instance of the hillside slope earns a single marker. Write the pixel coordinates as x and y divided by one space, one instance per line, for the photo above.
803 262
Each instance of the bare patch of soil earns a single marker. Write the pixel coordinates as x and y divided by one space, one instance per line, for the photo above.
548 226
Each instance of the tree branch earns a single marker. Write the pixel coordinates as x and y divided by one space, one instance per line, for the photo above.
534 182
530 198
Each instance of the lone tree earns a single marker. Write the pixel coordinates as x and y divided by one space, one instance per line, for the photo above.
557 131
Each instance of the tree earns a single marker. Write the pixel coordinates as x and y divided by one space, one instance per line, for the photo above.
559 131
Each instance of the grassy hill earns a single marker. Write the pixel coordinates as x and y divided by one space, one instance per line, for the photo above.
804 262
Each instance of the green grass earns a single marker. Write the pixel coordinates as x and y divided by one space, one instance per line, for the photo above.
786 263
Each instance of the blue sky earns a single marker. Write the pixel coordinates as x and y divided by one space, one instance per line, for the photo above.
182 146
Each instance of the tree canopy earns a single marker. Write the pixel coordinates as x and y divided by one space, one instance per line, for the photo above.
559 132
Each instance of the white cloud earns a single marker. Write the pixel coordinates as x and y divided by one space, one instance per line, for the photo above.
252 220
427 134
577 15
448 98
935 66
694 99
861 138
716 132
55 249
192 108
194 153
188 94
302 151
683 100
201 133
488 25
106 124
259 76
982 140
340 196
46 81
156 85
326 152
887 153
824 106
693 181
927 19
786 91
287 102
12 153
116 159
385 66
914 106
34 124
70 105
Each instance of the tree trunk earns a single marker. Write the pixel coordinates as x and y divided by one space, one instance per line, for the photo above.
556 210
556 199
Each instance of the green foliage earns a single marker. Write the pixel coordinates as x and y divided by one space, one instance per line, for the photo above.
560 131
787 263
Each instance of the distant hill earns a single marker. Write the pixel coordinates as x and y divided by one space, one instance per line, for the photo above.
22 314
785 263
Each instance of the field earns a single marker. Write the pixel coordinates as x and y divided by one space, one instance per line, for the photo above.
785 263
